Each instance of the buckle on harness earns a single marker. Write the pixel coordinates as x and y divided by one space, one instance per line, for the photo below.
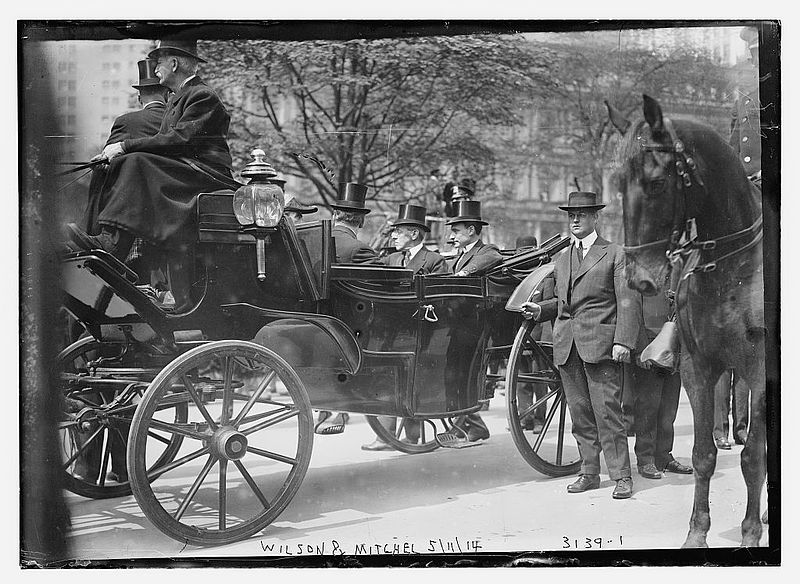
706 245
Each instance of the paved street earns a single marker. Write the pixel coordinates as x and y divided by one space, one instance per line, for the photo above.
483 499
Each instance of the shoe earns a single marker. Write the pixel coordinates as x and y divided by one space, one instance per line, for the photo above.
676 467
113 241
117 478
376 446
740 439
327 425
477 435
649 471
538 426
722 443
624 488
584 483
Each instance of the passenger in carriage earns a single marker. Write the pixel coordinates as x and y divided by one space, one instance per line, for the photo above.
408 236
474 258
348 218
153 182
295 210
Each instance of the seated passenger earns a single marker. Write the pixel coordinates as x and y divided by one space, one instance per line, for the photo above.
408 235
295 210
153 182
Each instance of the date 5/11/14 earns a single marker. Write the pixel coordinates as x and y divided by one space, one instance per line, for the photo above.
590 543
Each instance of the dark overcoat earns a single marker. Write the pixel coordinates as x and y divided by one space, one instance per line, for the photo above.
425 262
594 309
479 260
349 249
151 190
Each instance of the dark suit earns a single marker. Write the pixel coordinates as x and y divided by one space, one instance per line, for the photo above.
349 249
594 310
151 190
656 392
478 260
425 262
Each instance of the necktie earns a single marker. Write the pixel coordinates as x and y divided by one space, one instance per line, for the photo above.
406 257
580 252
459 260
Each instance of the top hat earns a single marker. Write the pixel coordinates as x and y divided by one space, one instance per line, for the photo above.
467 212
411 215
187 48
580 200
292 204
351 198
147 74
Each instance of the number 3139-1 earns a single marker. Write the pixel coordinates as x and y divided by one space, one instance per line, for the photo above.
589 543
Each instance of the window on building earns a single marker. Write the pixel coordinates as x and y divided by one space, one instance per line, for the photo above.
106 67
73 67
114 101
62 85
62 101
106 84
115 84
71 85
71 120
71 101
62 66
115 48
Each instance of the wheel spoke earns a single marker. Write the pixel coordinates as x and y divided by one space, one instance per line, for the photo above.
177 429
106 457
227 398
422 432
253 398
530 409
252 484
196 399
262 415
195 486
154 473
223 492
158 437
290 413
272 455
546 424
81 449
399 428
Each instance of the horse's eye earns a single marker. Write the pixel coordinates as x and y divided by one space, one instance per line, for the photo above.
656 186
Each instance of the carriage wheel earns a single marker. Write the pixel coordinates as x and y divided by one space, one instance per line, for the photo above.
425 443
95 422
244 455
538 416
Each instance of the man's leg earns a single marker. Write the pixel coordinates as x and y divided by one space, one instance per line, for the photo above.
605 390
722 398
740 409
647 390
667 412
584 426
388 422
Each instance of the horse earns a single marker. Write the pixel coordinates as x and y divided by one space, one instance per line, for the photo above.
693 221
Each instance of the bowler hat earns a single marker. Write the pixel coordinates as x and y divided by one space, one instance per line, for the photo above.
292 204
351 197
187 48
147 74
467 212
585 201
412 215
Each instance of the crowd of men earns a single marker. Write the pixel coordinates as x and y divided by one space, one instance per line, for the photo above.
158 159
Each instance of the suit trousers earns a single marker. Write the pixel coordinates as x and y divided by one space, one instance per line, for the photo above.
656 396
594 396
731 396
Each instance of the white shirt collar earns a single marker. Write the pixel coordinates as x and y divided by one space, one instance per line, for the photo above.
185 81
470 246
412 251
587 241
152 101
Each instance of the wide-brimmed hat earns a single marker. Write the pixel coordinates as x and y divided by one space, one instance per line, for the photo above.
351 197
147 74
411 215
188 48
292 204
467 212
582 200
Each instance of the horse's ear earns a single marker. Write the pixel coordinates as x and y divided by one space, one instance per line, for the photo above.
619 121
652 114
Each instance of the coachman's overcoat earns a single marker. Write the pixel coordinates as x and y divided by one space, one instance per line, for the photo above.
151 190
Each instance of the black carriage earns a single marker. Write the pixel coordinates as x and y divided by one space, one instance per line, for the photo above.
206 416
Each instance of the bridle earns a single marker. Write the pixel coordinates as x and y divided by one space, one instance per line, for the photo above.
683 240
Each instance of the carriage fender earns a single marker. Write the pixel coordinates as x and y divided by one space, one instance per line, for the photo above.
530 289
311 343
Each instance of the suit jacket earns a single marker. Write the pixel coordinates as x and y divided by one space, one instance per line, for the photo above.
142 123
479 260
349 250
425 262
195 126
599 311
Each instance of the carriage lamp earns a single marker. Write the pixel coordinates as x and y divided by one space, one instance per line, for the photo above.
258 205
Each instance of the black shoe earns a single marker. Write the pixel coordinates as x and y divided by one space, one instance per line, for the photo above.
676 467
722 443
474 435
649 471
624 488
584 483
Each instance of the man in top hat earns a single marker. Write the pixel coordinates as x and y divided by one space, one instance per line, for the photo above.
474 258
408 236
295 210
594 331
153 182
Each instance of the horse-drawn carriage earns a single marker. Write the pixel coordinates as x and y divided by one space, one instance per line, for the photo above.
183 409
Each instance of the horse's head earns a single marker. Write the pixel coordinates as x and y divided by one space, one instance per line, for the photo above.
652 171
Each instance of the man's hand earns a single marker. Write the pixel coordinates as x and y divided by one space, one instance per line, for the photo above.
621 354
462 274
111 151
531 310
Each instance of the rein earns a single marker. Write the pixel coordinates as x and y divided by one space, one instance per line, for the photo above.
683 237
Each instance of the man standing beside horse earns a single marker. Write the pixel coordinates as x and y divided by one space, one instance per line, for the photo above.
594 331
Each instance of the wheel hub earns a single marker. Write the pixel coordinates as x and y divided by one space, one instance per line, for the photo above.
229 444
